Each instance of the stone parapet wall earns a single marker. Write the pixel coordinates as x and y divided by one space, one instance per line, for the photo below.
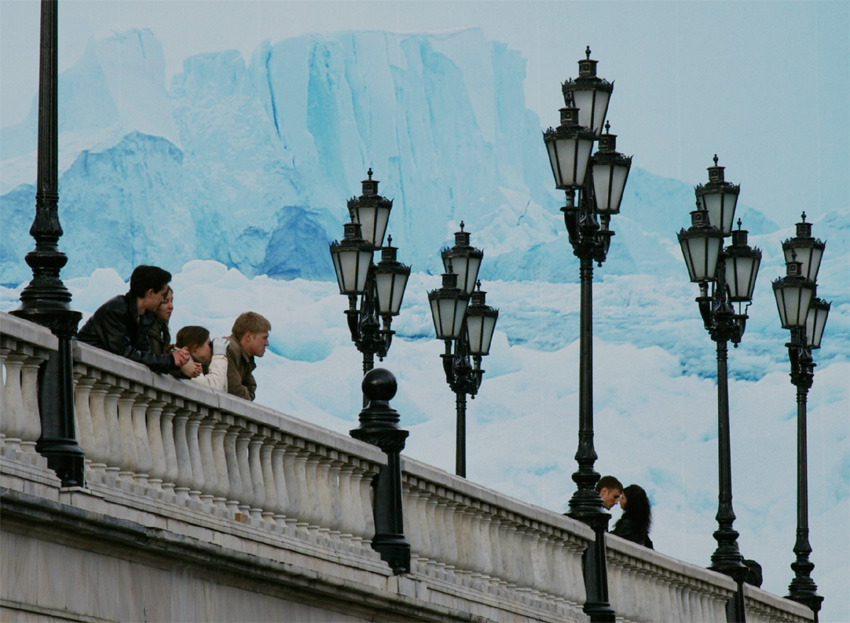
202 506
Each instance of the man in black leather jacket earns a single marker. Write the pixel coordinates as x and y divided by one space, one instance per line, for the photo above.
121 324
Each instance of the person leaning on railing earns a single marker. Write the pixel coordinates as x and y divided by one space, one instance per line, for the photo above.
208 366
121 325
249 338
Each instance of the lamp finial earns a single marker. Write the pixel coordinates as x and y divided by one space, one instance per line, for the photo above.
369 172
715 159
587 51
803 216
461 225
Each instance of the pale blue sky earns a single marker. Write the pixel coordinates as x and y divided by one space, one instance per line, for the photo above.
766 85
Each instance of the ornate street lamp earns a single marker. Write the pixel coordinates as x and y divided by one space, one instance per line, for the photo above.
594 187
730 274
805 315
467 329
46 300
378 289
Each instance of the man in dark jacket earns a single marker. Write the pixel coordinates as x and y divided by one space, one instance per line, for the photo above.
121 324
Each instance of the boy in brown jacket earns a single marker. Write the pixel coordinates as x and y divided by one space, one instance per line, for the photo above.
249 338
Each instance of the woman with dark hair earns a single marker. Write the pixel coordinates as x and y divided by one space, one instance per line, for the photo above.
637 516
159 337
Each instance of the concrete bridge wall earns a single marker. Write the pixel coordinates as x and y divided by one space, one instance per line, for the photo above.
201 506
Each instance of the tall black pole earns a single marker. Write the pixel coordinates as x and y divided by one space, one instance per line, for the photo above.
46 300
460 449
727 558
802 588
586 501
586 505
723 326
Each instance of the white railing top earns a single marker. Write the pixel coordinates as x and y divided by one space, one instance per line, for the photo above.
26 331
461 486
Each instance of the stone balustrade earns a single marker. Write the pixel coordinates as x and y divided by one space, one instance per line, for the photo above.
653 587
184 455
189 445
470 535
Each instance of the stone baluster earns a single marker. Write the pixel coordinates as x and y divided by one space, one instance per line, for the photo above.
432 510
153 422
368 473
627 584
465 542
514 570
678 598
127 443
256 472
503 539
527 546
701 609
246 431
99 452
83 384
234 495
144 460
448 518
169 449
29 391
430 536
279 473
482 520
412 525
322 488
665 584
547 550
205 453
558 563
270 505
194 443
357 524
294 494
119 415
183 483
347 501
304 503
493 527
222 480
313 501
336 508
14 416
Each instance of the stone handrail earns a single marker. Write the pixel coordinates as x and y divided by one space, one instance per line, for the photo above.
154 437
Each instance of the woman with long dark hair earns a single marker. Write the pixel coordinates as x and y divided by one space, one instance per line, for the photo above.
637 516
159 337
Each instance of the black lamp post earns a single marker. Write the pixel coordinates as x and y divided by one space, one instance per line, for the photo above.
379 288
594 187
46 300
467 329
805 315
731 274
